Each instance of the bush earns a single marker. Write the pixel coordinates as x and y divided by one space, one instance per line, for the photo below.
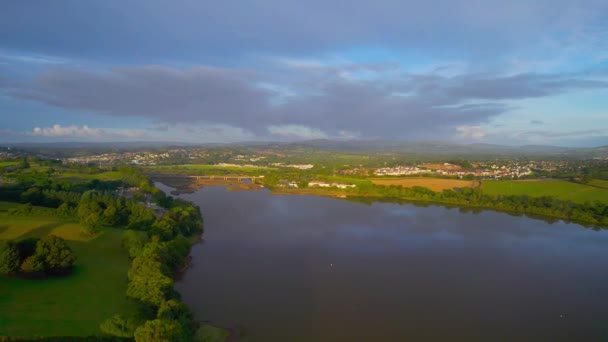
133 242
119 326
9 258
31 264
54 255
160 330
173 309
147 282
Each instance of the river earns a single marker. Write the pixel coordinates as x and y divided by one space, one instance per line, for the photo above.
306 268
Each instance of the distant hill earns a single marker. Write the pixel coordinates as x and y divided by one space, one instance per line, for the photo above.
423 148
447 148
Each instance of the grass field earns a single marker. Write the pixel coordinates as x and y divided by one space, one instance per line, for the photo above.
74 305
599 183
104 176
435 184
8 163
569 191
4 206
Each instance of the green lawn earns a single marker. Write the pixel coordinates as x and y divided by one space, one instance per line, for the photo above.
74 305
8 163
559 189
4 206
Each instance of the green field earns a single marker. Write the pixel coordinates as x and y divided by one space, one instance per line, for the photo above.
104 176
599 183
4 206
569 191
8 163
74 305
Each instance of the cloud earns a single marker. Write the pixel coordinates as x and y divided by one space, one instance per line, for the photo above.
31 59
521 86
165 94
69 131
296 131
537 122
373 100
470 132
160 128
58 131
229 30
562 134
6 133
580 137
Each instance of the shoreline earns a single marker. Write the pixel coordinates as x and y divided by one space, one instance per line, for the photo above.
377 198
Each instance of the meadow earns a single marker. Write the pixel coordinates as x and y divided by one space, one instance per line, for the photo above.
570 191
72 305
599 183
435 184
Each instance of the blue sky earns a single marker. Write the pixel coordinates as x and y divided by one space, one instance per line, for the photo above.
507 72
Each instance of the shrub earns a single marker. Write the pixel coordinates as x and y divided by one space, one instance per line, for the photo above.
54 255
9 258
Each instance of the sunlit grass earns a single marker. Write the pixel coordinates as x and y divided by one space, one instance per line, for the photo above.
72 305
569 191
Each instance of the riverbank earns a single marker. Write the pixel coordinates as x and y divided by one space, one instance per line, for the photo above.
551 199
497 204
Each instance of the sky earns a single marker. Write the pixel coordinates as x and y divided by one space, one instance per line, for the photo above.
516 72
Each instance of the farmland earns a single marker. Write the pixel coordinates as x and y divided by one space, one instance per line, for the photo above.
435 184
563 190
74 305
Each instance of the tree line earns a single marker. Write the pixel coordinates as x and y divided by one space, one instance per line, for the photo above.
592 212
157 255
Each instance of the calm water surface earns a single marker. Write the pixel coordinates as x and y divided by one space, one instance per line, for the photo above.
304 268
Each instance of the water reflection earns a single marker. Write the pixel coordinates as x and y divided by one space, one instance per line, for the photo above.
307 268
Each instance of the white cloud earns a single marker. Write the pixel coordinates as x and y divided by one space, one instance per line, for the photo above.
57 131
67 131
470 132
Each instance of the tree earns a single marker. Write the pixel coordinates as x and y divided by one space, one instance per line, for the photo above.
134 242
25 164
165 227
54 254
90 211
174 252
147 282
160 330
65 211
9 258
32 264
175 310
119 325
32 196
